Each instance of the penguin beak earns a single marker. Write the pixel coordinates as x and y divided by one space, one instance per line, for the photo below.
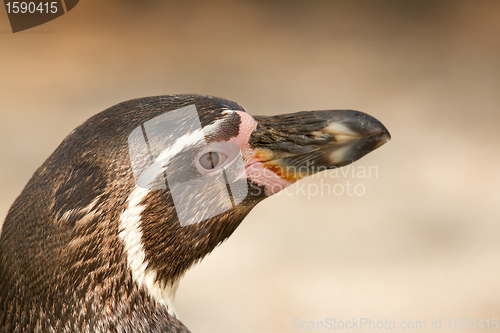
297 145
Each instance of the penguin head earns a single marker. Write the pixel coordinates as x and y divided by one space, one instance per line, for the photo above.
143 190
200 169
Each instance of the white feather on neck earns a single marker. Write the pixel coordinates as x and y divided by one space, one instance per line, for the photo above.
131 235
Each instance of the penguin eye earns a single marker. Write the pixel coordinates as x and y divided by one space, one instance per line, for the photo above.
211 160
216 155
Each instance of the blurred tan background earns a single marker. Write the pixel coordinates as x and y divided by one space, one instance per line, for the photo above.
421 243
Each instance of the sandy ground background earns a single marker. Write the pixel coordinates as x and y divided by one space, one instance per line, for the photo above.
421 242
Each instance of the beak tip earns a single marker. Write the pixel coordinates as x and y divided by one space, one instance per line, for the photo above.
387 136
385 131
377 129
384 138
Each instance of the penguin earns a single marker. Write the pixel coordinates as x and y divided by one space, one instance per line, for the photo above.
101 235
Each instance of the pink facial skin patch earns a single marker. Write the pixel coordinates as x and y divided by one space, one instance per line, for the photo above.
263 176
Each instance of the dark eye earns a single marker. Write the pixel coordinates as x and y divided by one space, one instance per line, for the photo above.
211 160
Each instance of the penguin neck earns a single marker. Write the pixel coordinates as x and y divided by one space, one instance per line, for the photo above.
158 252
